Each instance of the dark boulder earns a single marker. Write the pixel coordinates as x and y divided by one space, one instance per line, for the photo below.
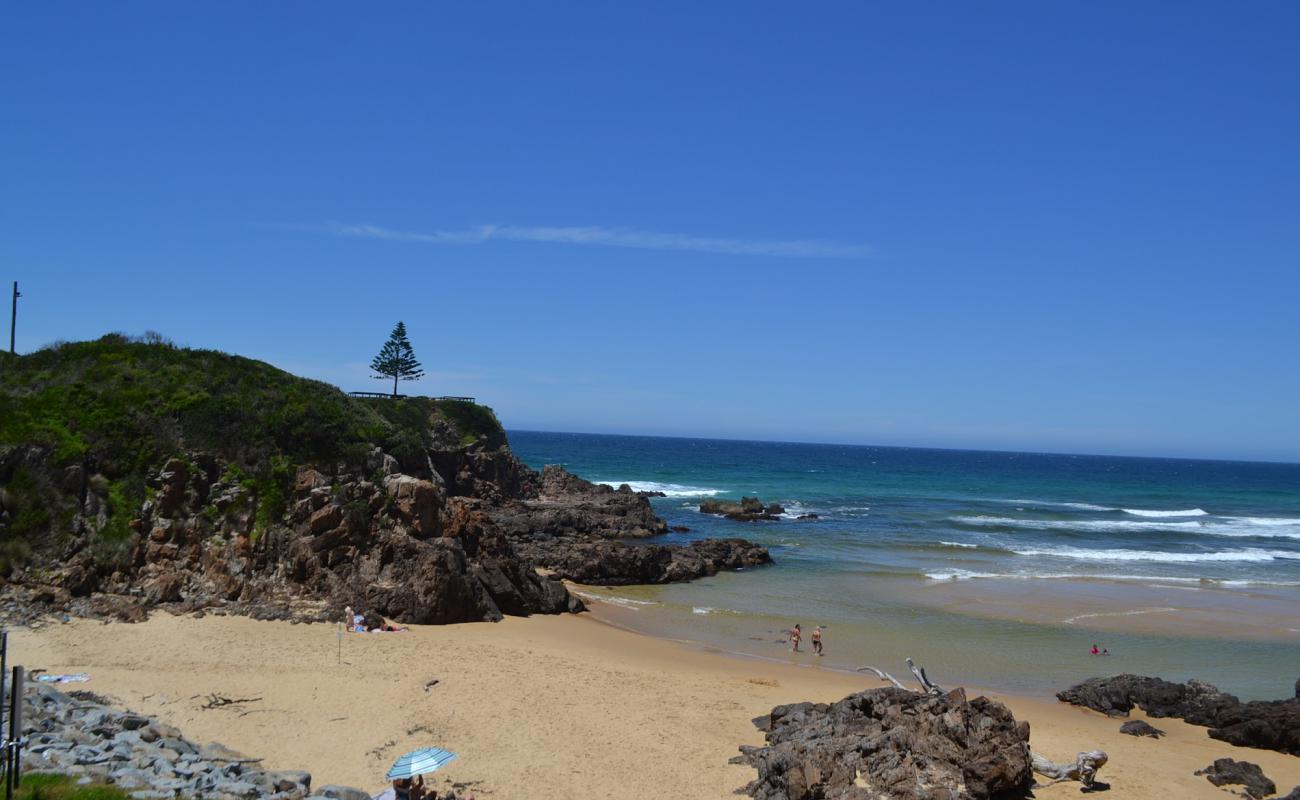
617 563
1196 702
891 743
1264 724
1226 771
1137 727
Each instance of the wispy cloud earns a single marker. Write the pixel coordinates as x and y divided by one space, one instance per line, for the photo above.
609 237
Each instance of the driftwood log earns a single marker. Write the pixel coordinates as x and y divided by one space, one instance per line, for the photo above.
1083 769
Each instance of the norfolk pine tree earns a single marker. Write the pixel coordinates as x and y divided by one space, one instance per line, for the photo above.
396 359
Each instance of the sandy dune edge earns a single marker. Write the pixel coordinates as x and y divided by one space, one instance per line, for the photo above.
547 707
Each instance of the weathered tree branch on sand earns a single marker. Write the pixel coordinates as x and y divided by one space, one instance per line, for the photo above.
884 676
927 687
1083 769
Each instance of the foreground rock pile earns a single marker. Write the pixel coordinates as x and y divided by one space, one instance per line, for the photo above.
77 734
1263 724
891 743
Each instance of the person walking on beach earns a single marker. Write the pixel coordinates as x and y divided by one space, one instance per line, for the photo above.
817 640
796 633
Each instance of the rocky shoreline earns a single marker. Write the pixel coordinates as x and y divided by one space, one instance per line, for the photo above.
81 735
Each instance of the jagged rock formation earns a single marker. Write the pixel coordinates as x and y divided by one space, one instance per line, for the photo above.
1263 724
396 545
891 743
1225 771
749 509
588 533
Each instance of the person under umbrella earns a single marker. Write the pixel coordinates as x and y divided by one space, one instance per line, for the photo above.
407 771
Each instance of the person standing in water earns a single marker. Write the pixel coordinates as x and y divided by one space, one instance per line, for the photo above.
796 633
817 640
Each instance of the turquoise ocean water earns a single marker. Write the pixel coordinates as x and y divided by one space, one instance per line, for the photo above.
1001 568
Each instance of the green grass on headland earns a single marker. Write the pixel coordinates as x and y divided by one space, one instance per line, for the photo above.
37 786
120 407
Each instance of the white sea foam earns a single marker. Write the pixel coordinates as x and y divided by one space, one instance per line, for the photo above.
1135 612
625 602
1055 504
1259 527
1080 524
1137 512
1142 512
669 489
1083 554
959 544
962 574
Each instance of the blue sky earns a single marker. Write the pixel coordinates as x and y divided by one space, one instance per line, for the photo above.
1045 226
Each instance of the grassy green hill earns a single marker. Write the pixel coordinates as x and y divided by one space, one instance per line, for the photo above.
119 408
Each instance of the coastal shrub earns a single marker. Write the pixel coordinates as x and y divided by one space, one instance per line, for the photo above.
39 786
475 422
113 542
119 407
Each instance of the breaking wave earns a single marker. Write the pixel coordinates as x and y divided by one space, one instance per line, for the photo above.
1272 528
1156 555
669 489
1142 512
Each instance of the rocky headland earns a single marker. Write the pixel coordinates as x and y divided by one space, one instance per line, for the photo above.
135 475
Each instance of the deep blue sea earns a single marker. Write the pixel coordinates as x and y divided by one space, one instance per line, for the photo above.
1017 551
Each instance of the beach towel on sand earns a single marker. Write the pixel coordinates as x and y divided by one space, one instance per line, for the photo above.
78 677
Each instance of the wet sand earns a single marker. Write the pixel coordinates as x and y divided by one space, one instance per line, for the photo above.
547 707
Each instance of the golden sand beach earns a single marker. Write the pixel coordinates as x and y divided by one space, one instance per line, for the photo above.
542 708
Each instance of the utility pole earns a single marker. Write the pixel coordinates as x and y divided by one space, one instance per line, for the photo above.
13 319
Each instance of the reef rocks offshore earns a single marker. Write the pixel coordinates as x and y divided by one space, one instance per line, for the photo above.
890 743
591 533
749 509
1263 724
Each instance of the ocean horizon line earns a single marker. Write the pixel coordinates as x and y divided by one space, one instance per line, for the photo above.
929 448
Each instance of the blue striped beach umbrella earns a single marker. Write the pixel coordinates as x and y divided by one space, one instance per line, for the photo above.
419 762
